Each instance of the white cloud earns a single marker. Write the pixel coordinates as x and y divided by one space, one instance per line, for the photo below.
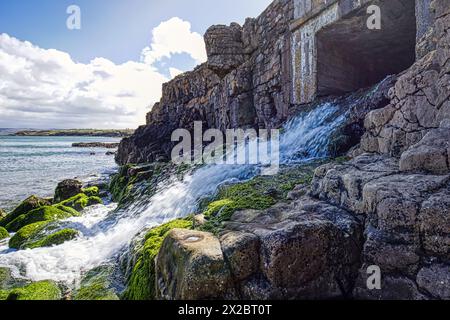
174 72
45 88
174 36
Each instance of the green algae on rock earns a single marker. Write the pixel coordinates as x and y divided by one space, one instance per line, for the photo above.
47 213
3 233
42 291
81 201
26 206
26 233
259 193
141 285
91 191
39 235
53 239
97 285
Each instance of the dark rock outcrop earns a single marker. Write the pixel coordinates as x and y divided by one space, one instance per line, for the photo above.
387 206
67 189
244 84
95 145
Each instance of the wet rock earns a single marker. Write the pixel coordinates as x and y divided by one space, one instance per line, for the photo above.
306 250
435 280
26 206
67 189
241 252
191 266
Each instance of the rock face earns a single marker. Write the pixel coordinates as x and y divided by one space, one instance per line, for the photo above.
244 84
191 266
67 189
388 207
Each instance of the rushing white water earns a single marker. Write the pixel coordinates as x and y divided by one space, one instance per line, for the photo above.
106 231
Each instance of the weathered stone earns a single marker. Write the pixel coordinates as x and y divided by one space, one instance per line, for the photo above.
392 288
307 250
241 251
67 189
191 266
434 222
342 185
430 154
435 280
224 48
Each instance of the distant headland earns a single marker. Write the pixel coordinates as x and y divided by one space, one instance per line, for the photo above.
76 132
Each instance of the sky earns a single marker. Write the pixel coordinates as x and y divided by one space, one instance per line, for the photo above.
109 73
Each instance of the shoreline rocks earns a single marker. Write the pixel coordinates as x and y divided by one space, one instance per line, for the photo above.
106 145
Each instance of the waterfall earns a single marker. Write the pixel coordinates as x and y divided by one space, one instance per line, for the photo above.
105 231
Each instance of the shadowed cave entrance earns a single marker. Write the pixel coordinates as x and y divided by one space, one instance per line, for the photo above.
350 56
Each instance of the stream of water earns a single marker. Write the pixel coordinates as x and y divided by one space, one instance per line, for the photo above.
106 231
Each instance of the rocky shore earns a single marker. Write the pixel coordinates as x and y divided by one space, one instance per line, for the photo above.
386 205
313 231
105 145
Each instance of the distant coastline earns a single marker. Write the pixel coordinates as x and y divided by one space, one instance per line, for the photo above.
118 133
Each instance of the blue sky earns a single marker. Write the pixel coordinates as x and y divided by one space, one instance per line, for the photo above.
108 74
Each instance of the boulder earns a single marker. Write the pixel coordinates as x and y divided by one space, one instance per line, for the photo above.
435 279
431 154
26 206
67 189
40 291
306 250
191 266
224 48
3 233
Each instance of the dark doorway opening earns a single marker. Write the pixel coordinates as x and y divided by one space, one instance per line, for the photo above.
350 56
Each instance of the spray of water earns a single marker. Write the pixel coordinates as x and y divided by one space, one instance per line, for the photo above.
105 232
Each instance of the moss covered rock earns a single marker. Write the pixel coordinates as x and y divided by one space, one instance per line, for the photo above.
259 193
53 239
91 191
97 285
141 285
67 189
26 206
3 233
42 290
26 233
47 213
81 201
39 235
8 282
